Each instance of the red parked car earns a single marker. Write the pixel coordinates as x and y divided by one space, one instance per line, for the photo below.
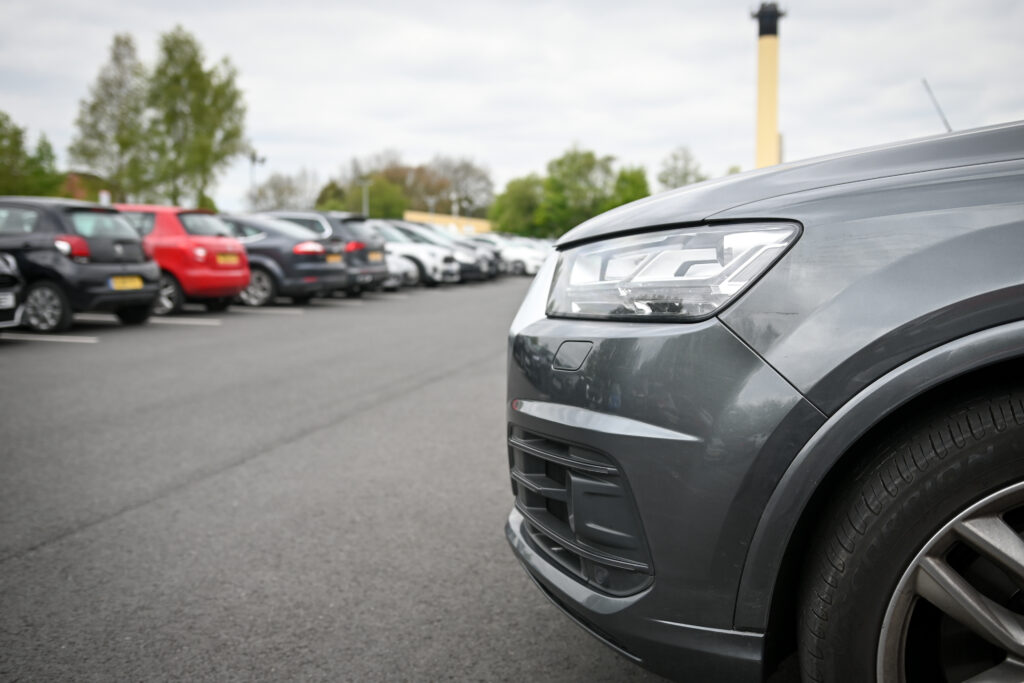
198 260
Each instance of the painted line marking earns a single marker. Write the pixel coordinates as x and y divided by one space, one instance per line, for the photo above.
267 311
177 320
338 302
97 318
67 339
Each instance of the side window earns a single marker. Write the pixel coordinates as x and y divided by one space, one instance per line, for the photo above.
142 222
18 221
311 223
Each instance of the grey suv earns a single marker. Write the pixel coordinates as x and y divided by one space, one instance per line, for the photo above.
785 411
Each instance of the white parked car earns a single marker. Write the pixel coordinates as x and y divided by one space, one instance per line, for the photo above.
523 257
434 264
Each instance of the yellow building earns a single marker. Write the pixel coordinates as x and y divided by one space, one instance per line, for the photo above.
467 226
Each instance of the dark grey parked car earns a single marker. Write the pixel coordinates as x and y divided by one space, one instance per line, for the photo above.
785 411
286 259
364 249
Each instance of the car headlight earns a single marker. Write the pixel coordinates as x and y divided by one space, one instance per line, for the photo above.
683 274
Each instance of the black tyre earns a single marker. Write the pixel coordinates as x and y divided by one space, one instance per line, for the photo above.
917 573
218 305
47 308
135 315
262 288
302 300
518 268
171 298
354 292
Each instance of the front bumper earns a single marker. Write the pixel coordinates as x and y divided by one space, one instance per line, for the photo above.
699 429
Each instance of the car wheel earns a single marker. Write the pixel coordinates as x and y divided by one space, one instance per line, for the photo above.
171 298
261 289
918 570
218 305
302 300
412 277
47 308
518 268
134 315
354 292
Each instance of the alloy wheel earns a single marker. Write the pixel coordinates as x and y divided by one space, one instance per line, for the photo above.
167 299
957 613
259 290
43 309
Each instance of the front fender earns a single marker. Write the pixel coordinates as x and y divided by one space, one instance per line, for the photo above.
823 451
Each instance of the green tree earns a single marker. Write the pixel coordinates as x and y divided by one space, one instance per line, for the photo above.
198 117
387 200
630 185
332 194
680 168
577 188
515 209
111 136
24 172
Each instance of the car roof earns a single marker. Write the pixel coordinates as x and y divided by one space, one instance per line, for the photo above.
55 202
159 208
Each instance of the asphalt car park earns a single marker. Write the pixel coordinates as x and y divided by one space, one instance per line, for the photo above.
311 493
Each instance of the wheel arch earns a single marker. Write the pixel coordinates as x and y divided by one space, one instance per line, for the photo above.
771 572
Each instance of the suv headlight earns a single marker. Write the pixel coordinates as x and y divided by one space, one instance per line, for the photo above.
684 274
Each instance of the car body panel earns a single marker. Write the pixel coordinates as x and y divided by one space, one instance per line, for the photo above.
948 240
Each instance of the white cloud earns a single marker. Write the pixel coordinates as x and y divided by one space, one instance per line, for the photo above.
514 84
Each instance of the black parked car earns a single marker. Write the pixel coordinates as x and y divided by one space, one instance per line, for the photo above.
286 259
12 294
364 249
76 256
784 411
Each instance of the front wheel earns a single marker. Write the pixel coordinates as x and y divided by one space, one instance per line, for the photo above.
302 300
135 315
918 570
47 308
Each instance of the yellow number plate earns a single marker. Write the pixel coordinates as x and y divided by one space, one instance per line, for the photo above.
121 282
227 259
376 256
334 258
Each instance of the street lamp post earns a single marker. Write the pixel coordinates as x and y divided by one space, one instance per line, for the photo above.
366 196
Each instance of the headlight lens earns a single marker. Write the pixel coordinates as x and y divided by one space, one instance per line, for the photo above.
673 275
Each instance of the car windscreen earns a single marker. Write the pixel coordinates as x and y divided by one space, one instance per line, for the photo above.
389 232
353 229
436 236
142 221
99 223
204 224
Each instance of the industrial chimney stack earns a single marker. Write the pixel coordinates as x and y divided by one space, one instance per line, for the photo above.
769 145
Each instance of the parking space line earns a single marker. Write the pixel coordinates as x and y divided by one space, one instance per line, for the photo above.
67 339
97 318
337 302
268 311
177 320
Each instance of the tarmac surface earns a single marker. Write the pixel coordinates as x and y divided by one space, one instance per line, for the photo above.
312 493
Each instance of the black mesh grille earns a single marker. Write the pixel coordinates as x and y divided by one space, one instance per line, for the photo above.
579 513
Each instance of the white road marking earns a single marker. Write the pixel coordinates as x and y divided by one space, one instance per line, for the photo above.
267 310
97 318
67 339
178 320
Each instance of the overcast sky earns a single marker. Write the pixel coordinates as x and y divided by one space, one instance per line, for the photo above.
514 84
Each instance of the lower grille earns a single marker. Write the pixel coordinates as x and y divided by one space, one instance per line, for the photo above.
579 513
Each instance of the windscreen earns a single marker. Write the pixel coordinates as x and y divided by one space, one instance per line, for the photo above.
281 227
389 232
353 229
94 223
204 224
